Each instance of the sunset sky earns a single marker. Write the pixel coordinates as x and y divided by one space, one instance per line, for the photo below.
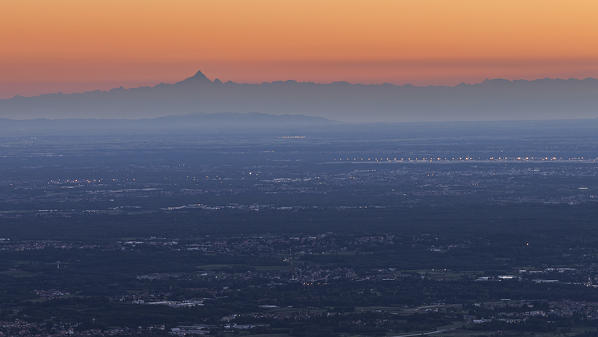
75 45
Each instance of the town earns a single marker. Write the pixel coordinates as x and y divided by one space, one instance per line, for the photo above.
277 236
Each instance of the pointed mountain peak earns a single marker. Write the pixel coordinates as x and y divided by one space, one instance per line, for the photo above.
199 77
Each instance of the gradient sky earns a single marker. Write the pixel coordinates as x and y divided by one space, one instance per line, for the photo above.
75 45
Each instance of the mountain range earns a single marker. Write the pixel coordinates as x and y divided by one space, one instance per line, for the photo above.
495 99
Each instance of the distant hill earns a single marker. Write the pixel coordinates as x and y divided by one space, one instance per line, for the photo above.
283 126
490 100
216 122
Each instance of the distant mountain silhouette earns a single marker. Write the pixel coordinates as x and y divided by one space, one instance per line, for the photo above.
196 79
495 99
216 122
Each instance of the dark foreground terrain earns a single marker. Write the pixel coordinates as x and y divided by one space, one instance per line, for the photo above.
467 229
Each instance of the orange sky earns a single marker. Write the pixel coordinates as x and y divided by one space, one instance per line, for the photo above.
73 45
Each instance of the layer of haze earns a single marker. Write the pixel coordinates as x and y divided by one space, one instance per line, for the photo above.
74 45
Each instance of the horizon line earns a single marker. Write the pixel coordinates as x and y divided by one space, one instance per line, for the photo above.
216 80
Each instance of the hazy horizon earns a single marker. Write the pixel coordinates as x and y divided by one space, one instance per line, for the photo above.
492 99
84 87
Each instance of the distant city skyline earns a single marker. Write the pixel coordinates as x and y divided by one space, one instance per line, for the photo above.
74 46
